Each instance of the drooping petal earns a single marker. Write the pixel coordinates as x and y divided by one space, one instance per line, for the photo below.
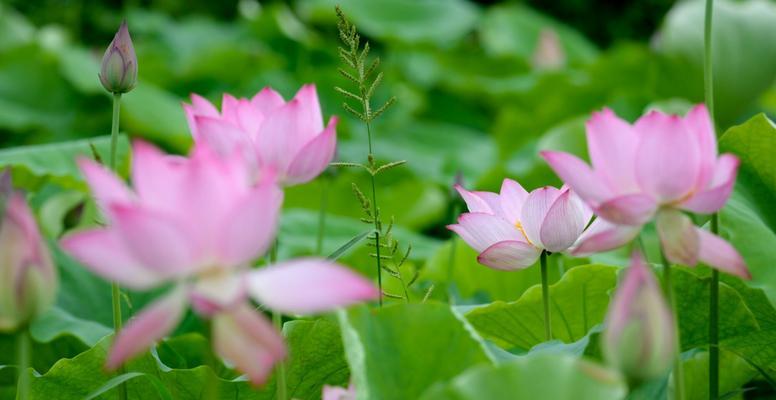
267 100
248 340
103 252
509 255
535 210
667 158
314 157
578 175
718 253
611 143
152 324
698 123
603 235
480 230
308 285
564 222
247 231
216 291
714 198
474 202
630 209
161 243
678 237
106 187
511 198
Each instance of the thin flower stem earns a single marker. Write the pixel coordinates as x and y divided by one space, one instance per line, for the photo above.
24 359
115 289
546 296
322 215
668 288
277 319
375 209
708 83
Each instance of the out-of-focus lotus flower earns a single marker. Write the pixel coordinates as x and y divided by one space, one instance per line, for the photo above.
28 279
118 73
549 53
339 393
511 229
197 223
639 338
287 138
652 169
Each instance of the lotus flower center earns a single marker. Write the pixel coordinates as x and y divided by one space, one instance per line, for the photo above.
519 226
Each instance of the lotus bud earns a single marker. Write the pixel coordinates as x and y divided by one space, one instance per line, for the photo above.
28 280
639 338
118 73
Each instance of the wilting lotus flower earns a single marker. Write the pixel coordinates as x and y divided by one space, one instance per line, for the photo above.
653 169
285 137
28 280
339 393
197 223
511 229
639 335
118 73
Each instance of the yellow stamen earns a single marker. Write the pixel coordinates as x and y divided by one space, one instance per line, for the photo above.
519 226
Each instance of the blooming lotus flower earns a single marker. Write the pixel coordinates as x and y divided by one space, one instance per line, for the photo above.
28 279
654 169
339 393
639 335
287 138
197 223
511 229
118 73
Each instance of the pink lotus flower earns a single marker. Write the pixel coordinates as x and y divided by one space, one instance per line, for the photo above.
511 229
653 169
639 338
286 138
28 279
339 393
198 223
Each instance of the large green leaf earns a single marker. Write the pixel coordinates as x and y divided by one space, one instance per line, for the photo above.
57 161
514 29
398 351
578 302
735 372
543 376
739 29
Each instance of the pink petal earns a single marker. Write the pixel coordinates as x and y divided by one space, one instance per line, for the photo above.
511 199
698 123
509 255
564 222
106 187
152 324
339 393
667 158
248 340
221 135
249 228
157 177
267 100
156 240
314 157
312 118
678 237
603 235
535 210
630 209
199 106
249 118
103 252
474 202
721 185
578 175
611 143
718 253
229 108
307 286
480 230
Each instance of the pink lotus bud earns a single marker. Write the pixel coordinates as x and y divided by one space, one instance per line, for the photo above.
28 280
118 73
640 337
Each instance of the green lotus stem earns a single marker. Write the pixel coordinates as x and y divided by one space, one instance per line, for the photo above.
708 83
210 391
668 288
277 320
115 289
24 359
545 296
